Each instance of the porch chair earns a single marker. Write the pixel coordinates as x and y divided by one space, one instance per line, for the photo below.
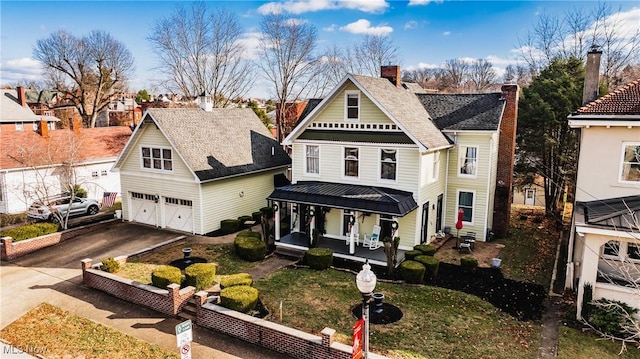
373 241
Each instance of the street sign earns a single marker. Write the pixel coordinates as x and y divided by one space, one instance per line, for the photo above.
184 333
185 351
356 348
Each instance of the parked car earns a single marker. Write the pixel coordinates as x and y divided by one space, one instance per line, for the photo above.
80 206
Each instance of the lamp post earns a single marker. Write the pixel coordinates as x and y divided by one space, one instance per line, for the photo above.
366 283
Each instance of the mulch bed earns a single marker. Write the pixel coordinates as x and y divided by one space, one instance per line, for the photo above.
522 300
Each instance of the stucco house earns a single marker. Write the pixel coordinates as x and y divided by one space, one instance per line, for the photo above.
189 169
376 154
604 244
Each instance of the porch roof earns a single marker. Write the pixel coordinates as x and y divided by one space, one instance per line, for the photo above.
346 196
620 212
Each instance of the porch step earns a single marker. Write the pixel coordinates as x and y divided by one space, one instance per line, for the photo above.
289 252
189 311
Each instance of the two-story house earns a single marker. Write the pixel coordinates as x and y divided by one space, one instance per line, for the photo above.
375 155
190 168
604 244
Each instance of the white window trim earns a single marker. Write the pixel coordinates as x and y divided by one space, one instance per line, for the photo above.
162 170
346 105
624 145
378 175
19 126
473 206
306 170
626 254
343 174
617 257
461 157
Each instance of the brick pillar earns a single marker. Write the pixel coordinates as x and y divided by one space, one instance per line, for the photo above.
201 298
86 264
327 336
7 248
506 152
174 297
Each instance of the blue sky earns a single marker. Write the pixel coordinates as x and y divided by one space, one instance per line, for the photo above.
425 32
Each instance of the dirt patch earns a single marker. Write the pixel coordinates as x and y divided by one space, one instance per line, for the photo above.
484 252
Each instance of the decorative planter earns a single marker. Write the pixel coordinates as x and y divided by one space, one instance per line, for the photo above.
495 262
377 302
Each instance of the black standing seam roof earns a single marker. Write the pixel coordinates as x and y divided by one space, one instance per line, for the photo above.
621 212
345 196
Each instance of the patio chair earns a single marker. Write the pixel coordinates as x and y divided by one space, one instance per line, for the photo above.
373 241
470 238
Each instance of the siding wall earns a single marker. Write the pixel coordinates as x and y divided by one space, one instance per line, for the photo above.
430 190
334 111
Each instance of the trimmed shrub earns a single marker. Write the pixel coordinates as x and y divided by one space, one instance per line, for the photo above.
250 248
243 219
468 264
431 265
611 317
233 280
162 276
31 231
319 258
110 265
9 219
200 275
409 255
240 298
426 249
268 211
257 216
412 271
229 226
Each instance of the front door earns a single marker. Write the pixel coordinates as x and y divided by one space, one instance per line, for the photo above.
530 196
439 214
425 223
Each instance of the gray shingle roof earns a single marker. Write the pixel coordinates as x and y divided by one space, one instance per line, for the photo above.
11 111
464 111
405 108
221 143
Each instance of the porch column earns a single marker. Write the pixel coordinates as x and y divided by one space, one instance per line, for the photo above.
276 219
352 234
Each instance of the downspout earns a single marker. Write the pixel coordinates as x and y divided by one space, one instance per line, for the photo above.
200 210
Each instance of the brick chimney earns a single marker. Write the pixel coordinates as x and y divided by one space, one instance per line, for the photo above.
592 75
22 98
506 152
43 129
391 73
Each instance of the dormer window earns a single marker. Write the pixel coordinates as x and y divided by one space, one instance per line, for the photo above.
352 108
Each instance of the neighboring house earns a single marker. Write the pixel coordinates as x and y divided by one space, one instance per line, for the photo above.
36 165
189 169
122 111
604 244
17 116
530 194
374 153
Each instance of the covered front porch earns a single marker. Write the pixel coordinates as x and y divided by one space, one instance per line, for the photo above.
300 241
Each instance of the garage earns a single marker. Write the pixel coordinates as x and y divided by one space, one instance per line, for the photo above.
178 214
143 208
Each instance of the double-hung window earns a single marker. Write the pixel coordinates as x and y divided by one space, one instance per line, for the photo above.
630 166
388 164
157 158
312 159
468 162
465 202
351 162
352 105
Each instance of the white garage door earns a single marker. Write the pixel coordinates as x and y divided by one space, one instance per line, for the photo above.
143 208
178 214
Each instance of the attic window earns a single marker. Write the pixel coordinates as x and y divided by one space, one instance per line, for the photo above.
352 106
157 158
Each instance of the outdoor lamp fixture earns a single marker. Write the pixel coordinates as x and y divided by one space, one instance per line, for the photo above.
366 283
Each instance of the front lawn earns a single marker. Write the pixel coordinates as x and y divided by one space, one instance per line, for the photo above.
54 333
573 344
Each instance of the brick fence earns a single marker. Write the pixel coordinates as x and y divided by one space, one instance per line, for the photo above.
168 301
10 249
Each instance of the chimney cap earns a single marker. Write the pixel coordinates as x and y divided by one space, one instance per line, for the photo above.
594 48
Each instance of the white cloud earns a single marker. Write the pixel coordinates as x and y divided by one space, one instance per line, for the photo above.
299 7
410 25
330 28
446 33
363 26
250 41
423 2
422 65
20 70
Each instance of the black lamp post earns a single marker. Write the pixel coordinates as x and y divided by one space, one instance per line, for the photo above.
366 283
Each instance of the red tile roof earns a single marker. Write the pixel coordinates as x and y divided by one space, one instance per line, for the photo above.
28 148
623 101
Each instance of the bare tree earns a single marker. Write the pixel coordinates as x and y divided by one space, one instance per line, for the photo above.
199 50
422 76
333 66
368 56
89 70
575 33
288 62
518 74
482 74
453 74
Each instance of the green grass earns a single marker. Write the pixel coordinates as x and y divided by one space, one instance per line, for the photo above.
573 344
437 323
59 334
